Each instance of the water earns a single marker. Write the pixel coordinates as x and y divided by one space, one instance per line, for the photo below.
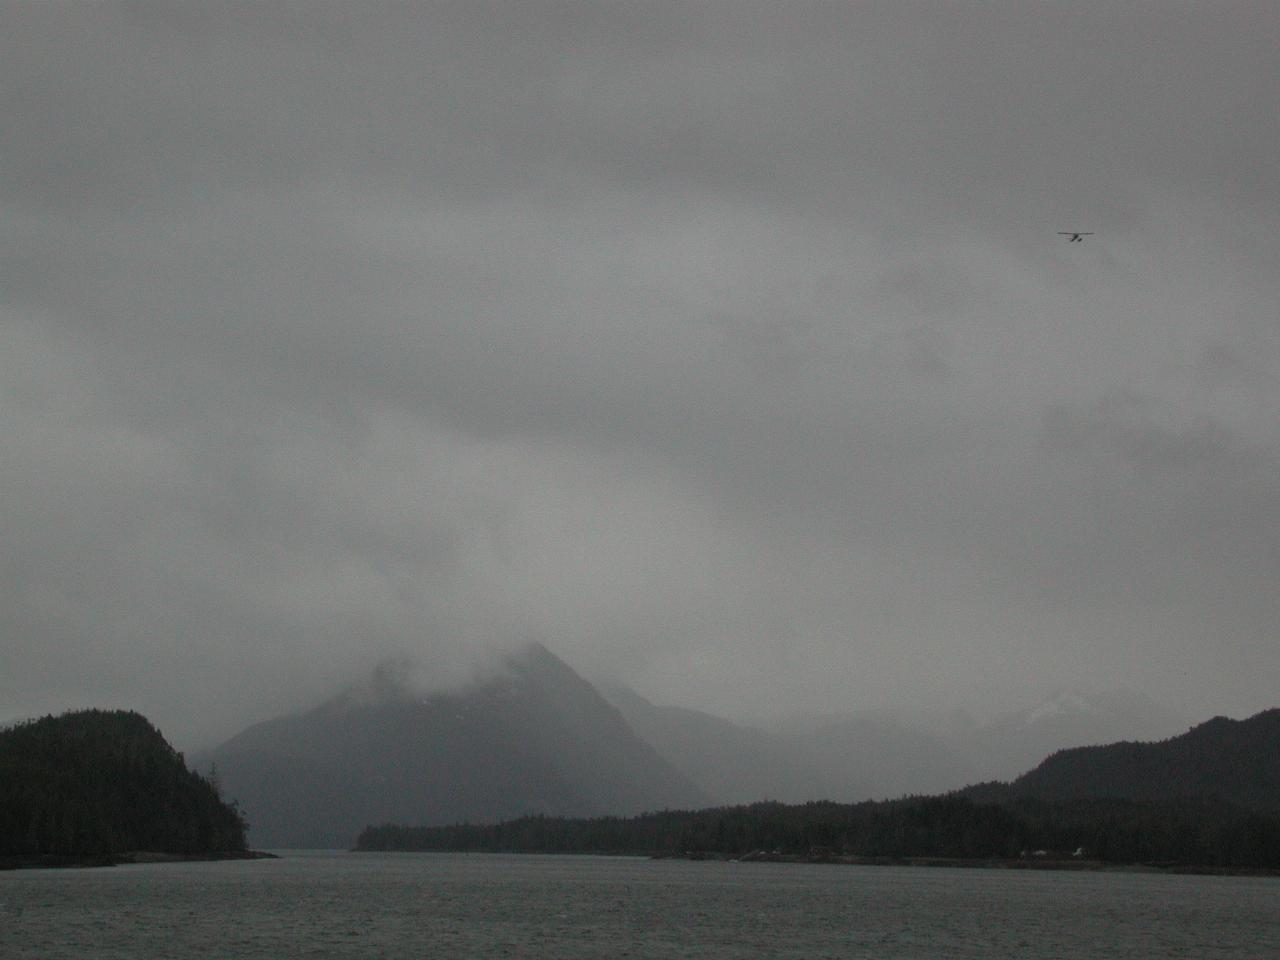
478 906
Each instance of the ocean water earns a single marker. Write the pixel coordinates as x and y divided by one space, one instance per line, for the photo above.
331 904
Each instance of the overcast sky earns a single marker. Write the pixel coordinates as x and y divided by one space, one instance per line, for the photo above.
729 349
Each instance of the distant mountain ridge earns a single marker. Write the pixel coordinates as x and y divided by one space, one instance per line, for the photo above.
880 755
1206 800
1235 761
731 762
1014 742
534 738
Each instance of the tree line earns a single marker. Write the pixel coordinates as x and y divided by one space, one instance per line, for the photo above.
1188 832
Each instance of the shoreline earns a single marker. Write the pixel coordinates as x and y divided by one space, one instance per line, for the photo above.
957 863
52 861
979 863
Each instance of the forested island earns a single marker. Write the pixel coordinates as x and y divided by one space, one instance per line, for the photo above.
99 787
1019 831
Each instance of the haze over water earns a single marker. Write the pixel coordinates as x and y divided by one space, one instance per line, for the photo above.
488 906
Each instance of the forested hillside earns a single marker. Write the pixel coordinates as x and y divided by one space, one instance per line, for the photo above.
948 827
101 783
1237 761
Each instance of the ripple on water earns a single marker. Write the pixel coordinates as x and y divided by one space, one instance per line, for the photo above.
338 905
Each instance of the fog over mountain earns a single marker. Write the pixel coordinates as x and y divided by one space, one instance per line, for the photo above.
730 348
881 754
532 737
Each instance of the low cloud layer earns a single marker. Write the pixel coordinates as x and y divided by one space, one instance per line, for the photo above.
730 350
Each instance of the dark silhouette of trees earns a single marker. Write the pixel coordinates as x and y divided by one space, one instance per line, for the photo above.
100 783
1235 761
1202 833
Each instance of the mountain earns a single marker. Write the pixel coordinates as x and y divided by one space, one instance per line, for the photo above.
1236 761
879 754
874 757
1206 800
730 762
103 783
856 756
535 738
1014 742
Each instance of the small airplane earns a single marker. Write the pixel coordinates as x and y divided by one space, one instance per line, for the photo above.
1075 237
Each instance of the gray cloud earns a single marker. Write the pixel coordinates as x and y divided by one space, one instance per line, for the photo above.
730 349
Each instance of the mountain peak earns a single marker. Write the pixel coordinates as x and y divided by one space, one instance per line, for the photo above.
534 654
534 659
1061 703
407 679
530 737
